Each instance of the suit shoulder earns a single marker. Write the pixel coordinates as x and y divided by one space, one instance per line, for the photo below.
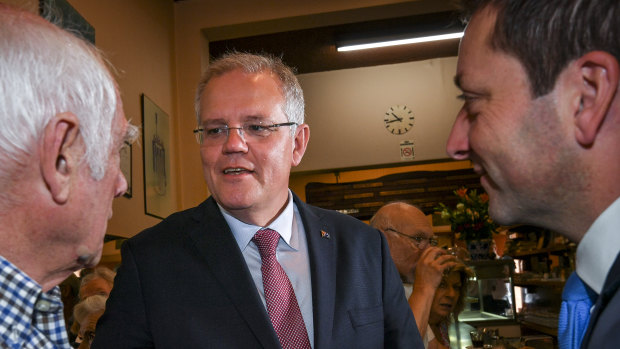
174 224
343 223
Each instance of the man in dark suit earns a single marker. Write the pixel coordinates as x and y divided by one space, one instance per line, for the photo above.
203 277
541 124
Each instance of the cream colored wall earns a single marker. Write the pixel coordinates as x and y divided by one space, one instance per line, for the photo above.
137 36
346 109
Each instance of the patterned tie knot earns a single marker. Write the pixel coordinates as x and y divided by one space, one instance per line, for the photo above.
267 241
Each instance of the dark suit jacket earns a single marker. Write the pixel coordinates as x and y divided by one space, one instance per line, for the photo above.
604 327
184 284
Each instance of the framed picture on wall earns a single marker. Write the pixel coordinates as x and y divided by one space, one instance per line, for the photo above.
158 200
126 166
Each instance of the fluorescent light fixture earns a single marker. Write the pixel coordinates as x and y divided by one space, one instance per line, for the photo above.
400 42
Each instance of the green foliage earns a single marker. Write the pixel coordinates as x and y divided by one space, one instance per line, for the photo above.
470 218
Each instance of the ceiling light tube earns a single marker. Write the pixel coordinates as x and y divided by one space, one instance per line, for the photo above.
400 42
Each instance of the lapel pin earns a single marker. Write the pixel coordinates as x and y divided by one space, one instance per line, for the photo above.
325 234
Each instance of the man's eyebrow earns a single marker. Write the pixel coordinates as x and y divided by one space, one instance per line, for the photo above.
256 117
131 133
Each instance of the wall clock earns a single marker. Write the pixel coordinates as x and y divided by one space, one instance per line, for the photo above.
398 119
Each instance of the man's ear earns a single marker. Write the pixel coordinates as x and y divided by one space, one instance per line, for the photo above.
59 158
599 75
302 135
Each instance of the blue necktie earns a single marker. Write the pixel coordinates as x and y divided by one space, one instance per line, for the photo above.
577 300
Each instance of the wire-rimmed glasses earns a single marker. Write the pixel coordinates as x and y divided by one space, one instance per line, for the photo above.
419 241
218 134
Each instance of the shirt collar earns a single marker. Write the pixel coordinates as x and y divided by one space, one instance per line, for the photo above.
244 232
22 293
599 247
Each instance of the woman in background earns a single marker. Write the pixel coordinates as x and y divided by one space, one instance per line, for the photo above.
86 314
448 302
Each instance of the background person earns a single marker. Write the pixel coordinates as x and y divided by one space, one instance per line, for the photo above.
541 124
86 313
447 304
59 148
204 277
99 281
95 281
420 264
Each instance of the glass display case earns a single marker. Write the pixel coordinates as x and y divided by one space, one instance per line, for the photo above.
490 297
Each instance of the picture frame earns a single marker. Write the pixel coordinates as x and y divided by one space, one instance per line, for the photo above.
158 198
126 164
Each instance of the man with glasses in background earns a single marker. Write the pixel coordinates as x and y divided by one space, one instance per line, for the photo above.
419 262
253 266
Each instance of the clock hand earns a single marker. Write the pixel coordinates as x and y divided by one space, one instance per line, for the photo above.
397 118
390 121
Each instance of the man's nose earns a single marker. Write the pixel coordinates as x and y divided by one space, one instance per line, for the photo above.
235 140
458 142
121 184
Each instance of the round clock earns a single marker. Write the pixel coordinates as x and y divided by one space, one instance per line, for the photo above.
398 119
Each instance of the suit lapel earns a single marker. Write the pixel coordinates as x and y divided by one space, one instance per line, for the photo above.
610 287
321 251
215 241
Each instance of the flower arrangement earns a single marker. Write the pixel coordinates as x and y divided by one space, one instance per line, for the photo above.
470 218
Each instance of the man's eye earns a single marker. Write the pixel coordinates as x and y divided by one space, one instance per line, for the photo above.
466 97
256 128
214 131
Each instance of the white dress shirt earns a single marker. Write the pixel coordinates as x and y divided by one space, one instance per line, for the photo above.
598 249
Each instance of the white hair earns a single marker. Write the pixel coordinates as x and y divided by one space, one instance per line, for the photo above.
44 71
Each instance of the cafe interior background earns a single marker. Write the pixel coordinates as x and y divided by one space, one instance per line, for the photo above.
160 48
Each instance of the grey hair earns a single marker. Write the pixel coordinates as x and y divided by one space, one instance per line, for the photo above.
88 306
293 95
44 71
104 273
545 36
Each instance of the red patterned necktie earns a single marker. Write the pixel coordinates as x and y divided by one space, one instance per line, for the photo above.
281 301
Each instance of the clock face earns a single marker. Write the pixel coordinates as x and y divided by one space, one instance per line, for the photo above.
398 119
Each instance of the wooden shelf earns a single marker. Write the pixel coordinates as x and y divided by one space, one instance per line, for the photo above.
547 250
540 328
539 282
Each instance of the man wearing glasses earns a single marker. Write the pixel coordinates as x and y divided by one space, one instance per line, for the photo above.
419 262
253 266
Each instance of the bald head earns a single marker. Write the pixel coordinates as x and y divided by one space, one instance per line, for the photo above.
400 222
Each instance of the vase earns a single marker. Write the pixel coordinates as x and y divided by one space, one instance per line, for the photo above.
480 250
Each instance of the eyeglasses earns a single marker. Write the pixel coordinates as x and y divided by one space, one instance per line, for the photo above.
418 241
249 132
